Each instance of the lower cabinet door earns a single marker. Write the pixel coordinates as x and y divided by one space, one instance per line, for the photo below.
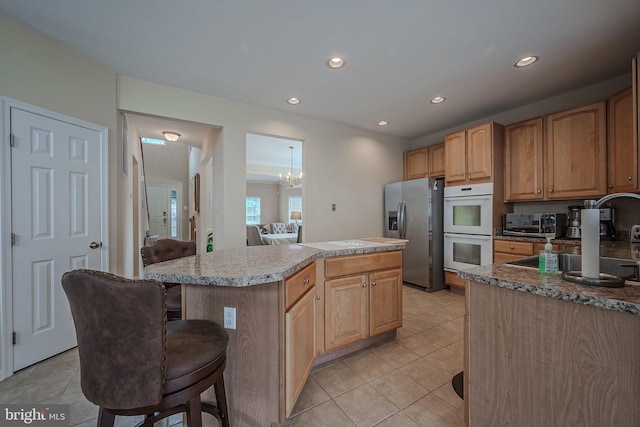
299 347
346 310
385 301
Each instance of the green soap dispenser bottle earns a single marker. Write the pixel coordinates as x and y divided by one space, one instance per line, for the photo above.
548 259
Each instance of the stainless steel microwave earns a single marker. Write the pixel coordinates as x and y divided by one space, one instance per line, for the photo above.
534 224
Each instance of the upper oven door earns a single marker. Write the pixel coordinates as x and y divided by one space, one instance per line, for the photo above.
468 215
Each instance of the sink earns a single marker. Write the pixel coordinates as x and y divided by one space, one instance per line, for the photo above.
614 271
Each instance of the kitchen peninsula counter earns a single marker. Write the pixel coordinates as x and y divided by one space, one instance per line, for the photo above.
558 352
282 311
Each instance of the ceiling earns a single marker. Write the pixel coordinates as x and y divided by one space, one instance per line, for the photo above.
399 54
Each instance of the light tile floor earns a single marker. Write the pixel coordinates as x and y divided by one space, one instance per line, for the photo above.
404 382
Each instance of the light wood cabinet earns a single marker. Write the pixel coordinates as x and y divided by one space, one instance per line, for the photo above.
424 162
452 279
575 153
623 148
363 297
416 164
436 160
470 155
523 161
509 250
300 336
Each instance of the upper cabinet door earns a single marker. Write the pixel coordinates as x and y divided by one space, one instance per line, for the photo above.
576 153
455 158
436 160
480 153
416 164
623 150
523 161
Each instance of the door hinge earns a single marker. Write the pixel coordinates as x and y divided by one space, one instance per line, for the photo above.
12 141
13 239
15 338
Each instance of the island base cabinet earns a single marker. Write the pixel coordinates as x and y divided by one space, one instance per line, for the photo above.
385 301
346 310
299 347
539 361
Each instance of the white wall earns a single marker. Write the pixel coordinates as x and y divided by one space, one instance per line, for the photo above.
342 165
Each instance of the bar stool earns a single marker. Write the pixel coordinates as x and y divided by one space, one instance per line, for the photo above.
134 362
166 250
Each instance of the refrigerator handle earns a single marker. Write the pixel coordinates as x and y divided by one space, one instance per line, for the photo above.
435 185
400 219
403 226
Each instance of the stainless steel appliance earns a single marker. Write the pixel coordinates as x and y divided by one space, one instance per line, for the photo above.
534 224
573 230
413 211
607 229
468 226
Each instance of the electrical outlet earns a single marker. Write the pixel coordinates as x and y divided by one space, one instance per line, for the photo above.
333 207
634 234
229 317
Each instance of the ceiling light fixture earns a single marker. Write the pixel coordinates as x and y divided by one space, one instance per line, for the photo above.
171 136
383 123
290 180
336 62
293 101
527 60
438 100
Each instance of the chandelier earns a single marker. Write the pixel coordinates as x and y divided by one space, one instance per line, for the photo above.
290 180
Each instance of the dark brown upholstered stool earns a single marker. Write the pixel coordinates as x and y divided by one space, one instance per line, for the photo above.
166 250
134 362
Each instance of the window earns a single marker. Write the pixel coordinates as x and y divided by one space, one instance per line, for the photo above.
253 210
174 214
295 205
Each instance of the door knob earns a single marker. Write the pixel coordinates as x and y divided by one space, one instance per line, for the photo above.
95 245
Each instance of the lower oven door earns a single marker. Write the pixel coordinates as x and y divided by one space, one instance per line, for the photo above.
462 251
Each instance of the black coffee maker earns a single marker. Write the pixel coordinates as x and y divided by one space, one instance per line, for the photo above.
607 229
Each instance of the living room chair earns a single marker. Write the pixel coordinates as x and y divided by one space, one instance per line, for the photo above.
133 361
166 250
253 236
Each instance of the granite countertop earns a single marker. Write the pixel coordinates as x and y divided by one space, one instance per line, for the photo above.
254 265
625 299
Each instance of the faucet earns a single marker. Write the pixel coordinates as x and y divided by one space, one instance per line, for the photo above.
590 234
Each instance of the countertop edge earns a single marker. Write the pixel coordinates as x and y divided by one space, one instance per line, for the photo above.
276 276
595 301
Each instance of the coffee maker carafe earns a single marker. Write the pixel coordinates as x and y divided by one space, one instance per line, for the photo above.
607 229
573 230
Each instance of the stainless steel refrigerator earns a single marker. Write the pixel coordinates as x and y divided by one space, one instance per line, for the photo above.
413 210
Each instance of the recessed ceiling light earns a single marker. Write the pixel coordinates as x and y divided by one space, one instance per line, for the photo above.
293 101
170 135
527 60
383 123
336 62
438 100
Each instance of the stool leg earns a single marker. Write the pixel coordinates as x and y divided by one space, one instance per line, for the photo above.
221 401
194 412
105 418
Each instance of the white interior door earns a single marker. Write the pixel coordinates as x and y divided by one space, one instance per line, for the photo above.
56 207
158 211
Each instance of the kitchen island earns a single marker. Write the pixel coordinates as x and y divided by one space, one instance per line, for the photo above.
283 312
543 351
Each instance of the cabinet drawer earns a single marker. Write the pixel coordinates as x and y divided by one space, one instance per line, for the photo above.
298 284
512 247
356 264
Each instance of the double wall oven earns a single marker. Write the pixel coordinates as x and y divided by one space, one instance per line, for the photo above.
468 226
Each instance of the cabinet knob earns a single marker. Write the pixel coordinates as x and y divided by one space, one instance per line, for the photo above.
610 186
551 190
373 283
317 297
511 247
305 281
539 191
630 178
364 285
